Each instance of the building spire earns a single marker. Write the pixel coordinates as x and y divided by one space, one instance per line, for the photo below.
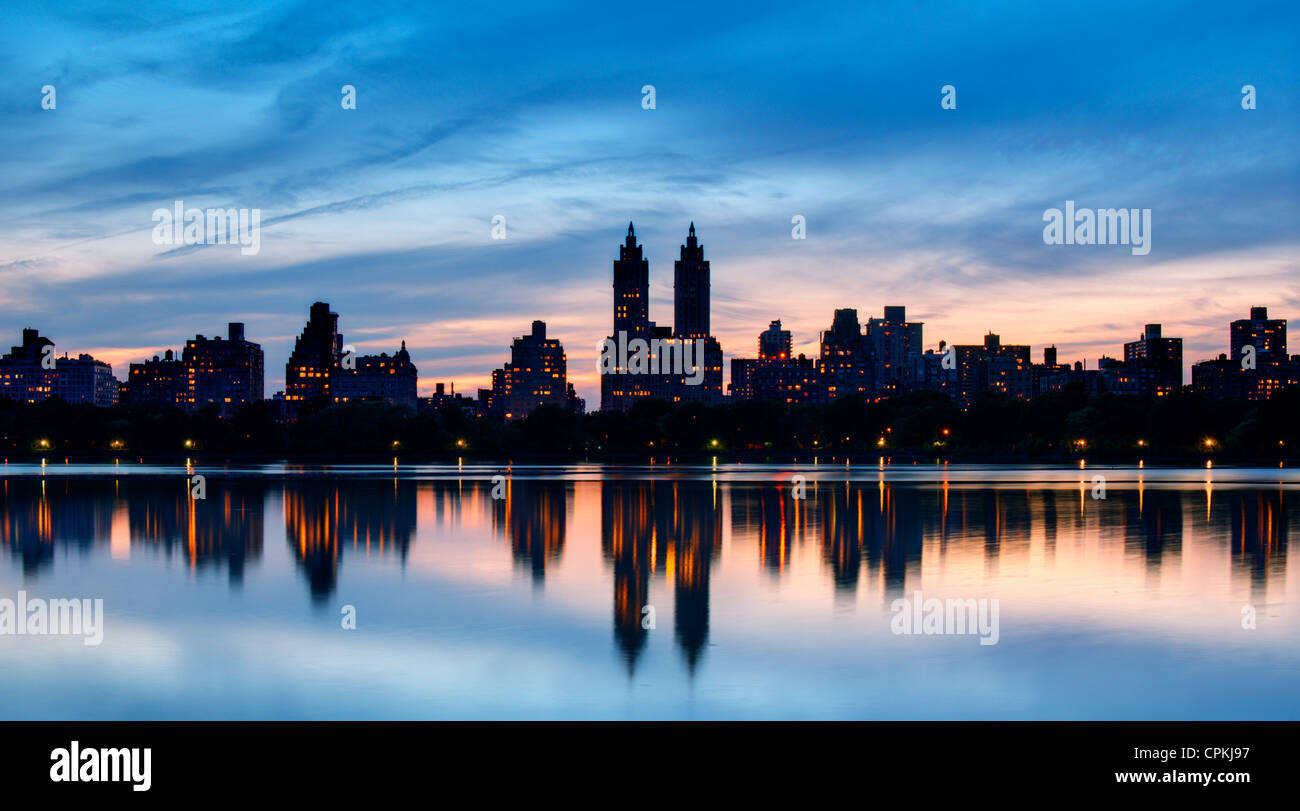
691 233
630 232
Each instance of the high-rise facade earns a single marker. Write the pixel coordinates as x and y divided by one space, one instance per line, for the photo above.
27 372
686 359
775 343
994 366
691 290
846 364
1155 363
225 372
308 374
85 380
1266 335
160 381
894 342
1258 365
31 373
631 288
537 374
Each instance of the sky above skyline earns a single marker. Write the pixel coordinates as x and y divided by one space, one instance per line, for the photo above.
832 113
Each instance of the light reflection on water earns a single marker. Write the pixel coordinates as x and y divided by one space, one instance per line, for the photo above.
533 605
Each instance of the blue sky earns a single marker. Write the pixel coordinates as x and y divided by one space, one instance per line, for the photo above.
534 112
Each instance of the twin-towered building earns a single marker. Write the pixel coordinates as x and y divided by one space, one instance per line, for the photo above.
643 360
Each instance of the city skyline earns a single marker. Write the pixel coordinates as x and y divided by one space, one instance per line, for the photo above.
695 302
386 210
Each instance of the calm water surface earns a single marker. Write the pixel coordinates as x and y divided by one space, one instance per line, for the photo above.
764 606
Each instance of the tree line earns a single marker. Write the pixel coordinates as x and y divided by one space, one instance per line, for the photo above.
1061 424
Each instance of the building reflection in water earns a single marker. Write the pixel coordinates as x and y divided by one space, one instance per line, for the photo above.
652 529
532 517
224 530
1258 523
862 534
365 516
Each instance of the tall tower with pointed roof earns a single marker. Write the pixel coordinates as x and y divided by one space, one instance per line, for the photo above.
631 288
691 290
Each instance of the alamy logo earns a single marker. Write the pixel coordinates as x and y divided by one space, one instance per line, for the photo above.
214 226
946 617
1106 226
77 765
656 356
38 617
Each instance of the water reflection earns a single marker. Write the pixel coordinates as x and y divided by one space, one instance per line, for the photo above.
324 517
864 535
223 532
532 515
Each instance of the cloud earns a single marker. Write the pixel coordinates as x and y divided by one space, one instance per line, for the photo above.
534 113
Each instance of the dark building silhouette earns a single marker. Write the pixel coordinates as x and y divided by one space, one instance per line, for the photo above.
631 289
686 361
23 374
160 381
226 372
775 374
393 380
309 373
1155 362
691 290
894 342
1266 335
929 372
85 380
1258 364
775 343
443 397
993 366
535 375
30 373
847 365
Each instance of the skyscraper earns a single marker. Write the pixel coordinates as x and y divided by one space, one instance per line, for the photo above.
631 289
316 352
621 383
691 290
